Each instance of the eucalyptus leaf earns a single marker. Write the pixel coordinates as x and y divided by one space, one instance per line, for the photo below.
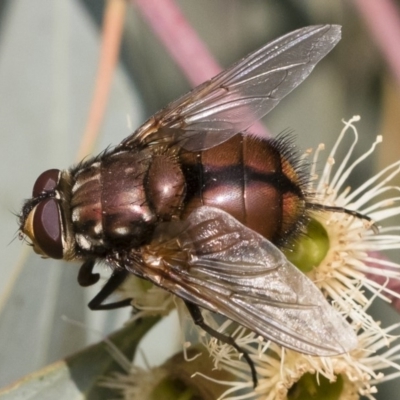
78 376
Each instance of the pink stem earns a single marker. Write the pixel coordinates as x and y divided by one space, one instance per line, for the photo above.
383 20
391 284
113 23
180 39
182 43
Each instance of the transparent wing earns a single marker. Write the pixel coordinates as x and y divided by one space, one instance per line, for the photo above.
214 261
231 101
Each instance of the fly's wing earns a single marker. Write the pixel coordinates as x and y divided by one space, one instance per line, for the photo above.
214 261
230 102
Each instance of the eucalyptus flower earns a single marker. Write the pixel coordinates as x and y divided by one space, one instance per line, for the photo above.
173 380
148 299
335 251
287 375
349 244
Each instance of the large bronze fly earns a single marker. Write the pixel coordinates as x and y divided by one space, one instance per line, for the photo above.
196 205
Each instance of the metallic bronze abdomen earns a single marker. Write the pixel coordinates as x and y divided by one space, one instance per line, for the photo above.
249 178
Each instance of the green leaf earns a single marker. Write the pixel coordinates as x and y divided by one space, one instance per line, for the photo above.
77 377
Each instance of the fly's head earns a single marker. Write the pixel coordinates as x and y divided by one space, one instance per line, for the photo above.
45 218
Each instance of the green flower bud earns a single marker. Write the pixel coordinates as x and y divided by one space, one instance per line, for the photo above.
169 389
181 383
311 387
310 248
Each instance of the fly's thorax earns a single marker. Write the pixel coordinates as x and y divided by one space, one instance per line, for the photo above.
108 205
65 194
46 219
118 200
86 210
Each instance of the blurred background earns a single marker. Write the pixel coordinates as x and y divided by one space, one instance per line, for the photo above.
49 55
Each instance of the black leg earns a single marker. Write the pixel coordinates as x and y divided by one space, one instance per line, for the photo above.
86 277
112 284
198 319
321 207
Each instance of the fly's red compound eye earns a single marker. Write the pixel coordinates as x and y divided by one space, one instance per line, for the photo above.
47 228
46 182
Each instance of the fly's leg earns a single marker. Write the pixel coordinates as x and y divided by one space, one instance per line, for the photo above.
112 284
86 277
356 214
198 319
